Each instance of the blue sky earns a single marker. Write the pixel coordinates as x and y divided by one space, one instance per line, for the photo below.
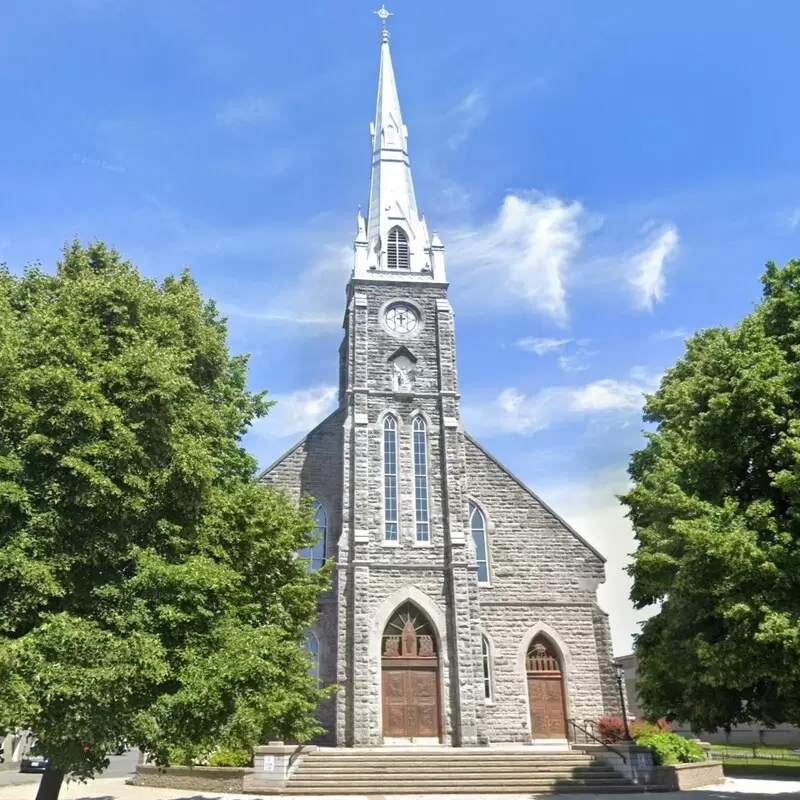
606 177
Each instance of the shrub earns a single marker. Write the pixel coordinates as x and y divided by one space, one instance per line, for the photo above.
181 757
645 728
610 729
225 757
670 748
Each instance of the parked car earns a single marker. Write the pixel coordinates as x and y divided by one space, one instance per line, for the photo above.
33 764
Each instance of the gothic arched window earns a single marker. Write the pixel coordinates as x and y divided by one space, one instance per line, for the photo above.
397 253
390 479
542 657
312 646
421 479
315 555
408 634
478 525
487 668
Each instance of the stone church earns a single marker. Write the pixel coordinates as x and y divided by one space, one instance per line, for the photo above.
463 609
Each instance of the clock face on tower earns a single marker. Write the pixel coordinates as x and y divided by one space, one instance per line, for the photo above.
401 319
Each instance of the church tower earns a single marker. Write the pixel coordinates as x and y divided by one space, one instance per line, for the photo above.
405 505
463 609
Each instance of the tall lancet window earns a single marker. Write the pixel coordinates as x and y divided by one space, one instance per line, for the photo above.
390 479
478 525
397 249
316 555
421 479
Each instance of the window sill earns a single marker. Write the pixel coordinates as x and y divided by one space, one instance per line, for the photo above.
423 544
390 544
485 585
488 701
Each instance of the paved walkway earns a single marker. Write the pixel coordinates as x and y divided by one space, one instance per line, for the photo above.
115 789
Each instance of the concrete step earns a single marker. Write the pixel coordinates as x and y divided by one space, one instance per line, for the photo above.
325 769
475 775
444 762
413 762
555 787
443 752
456 771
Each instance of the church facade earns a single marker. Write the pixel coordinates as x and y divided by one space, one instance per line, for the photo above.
463 610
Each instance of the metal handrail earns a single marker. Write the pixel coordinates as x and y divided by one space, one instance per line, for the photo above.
585 731
297 751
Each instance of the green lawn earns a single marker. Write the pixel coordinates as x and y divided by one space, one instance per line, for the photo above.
762 768
746 750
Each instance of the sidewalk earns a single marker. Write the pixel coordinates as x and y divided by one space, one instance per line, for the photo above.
115 789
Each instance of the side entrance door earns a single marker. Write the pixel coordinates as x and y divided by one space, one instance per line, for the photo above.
545 692
546 697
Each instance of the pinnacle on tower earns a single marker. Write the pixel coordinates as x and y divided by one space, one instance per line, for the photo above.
397 245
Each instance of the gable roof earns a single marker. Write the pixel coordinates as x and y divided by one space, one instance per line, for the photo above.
294 447
536 497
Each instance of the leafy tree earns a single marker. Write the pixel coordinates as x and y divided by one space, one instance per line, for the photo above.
149 588
716 512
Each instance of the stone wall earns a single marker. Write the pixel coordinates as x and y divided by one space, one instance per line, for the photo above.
689 776
543 579
201 779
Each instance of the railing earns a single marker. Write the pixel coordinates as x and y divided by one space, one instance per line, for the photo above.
577 729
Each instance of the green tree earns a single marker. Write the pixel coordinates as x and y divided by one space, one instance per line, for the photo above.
149 588
716 512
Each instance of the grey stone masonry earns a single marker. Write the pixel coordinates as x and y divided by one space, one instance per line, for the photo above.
543 576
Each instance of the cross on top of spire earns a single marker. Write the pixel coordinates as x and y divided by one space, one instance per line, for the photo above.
384 15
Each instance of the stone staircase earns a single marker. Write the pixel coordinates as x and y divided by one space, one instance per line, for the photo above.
445 770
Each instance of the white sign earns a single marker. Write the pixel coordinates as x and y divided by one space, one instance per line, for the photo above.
269 763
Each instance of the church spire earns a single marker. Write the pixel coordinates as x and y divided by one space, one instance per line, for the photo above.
393 241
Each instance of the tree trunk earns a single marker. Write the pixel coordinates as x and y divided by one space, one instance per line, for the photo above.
50 785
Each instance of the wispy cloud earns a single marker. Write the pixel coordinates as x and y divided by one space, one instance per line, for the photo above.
647 267
541 346
576 362
672 333
314 300
794 218
466 116
514 412
522 255
296 413
262 111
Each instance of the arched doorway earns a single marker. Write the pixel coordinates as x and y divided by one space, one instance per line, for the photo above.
410 671
545 691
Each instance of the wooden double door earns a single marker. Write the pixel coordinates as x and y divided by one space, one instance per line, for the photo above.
411 700
546 698
545 691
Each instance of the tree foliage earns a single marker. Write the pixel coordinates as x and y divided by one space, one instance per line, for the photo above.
716 512
149 588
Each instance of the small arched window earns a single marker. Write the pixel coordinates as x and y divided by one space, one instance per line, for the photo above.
478 525
421 479
397 254
312 646
390 479
315 555
487 668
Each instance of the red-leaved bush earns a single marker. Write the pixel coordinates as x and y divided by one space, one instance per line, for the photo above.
610 729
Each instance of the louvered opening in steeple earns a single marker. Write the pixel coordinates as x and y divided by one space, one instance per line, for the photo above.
397 254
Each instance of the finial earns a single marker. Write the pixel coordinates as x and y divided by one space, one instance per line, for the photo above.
384 15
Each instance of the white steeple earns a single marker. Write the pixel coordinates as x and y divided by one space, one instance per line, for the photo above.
393 242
